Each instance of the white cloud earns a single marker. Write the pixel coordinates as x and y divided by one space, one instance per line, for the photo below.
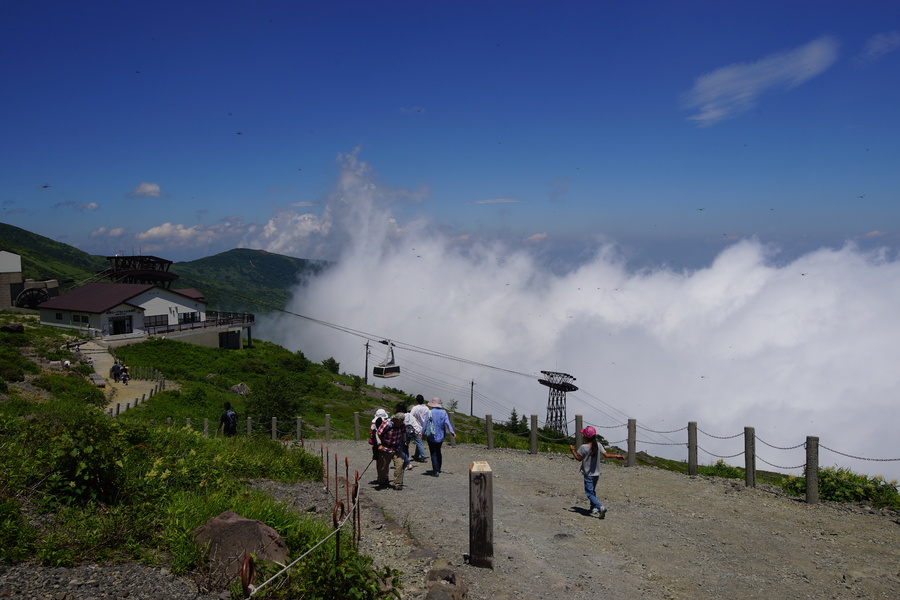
145 190
878 45
88 206
804 348
536 238
734 89
494 201
169 234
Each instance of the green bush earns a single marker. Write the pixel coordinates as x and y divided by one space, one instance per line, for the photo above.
722 469
840 484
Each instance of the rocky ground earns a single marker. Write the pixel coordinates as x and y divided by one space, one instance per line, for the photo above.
666 536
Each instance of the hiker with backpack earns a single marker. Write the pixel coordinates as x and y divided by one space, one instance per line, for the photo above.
436 427
228 422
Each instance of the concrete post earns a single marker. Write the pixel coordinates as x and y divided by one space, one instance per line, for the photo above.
750 456
693 469
533 448
812 469
579 425
453 425
489 430
632 443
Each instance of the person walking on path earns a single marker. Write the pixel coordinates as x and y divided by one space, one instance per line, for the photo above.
419 414
379 418
436 427
115 371
589 455
228 421
390 436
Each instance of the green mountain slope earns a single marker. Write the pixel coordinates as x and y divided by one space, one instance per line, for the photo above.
247 280
43 258
239 280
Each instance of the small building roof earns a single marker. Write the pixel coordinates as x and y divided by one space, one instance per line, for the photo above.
102 296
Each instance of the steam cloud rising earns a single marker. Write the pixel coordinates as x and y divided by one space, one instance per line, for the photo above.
806 348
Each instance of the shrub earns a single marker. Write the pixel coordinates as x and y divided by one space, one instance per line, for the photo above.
840 484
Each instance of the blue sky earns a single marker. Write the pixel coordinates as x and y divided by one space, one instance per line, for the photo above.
692 207
671 129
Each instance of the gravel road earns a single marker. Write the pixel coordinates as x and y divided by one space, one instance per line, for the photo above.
666 536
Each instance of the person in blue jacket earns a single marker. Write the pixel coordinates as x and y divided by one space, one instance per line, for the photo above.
436 425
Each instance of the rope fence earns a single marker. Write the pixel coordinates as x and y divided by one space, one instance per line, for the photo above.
300 432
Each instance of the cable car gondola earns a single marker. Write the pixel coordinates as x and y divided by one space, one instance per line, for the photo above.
387 368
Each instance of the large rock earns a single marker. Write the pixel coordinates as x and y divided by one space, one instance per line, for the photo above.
229 537
445 584
241 389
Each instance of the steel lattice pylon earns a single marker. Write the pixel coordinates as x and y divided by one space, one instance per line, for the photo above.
559 384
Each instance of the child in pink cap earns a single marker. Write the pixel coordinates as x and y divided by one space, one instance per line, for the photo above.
589 455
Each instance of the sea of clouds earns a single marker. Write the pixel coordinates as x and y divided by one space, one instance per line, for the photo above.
806 348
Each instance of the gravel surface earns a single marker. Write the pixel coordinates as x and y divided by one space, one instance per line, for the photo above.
666 536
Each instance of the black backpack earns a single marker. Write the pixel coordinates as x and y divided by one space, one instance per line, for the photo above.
231 421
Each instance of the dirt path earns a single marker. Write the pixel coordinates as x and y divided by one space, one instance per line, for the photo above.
666 535
116 393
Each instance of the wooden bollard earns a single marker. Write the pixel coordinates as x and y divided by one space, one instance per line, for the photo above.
489 430
533 442
693 467
481 515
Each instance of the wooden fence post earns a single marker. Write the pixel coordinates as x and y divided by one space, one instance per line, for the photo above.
452 439
356 426
327 428
579 425
481 515
299 428
533 447
812 469
749 456
274 429
693 470
187 423
489 430
205 427
249 425
632 443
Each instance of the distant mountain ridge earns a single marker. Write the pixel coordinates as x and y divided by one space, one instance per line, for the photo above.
239 280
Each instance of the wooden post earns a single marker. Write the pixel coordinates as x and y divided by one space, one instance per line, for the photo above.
693 469
187 423
749 456
579 425
274 429
812 470
452 439
533 448
249 425
355 427
299 429
489 430
327 428
632 443
118 406
481 515
205 427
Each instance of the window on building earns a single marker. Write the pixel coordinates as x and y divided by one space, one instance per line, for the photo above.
191 317
156 320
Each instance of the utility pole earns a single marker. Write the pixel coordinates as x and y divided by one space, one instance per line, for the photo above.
472 399
366 372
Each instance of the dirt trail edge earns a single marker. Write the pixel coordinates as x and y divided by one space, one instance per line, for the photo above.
666 535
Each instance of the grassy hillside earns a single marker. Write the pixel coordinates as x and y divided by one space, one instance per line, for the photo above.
239 280
43 258
246 280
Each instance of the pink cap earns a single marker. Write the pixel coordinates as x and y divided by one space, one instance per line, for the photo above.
588 432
